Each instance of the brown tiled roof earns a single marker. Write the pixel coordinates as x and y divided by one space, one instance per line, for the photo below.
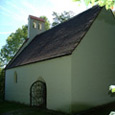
58 41
36 18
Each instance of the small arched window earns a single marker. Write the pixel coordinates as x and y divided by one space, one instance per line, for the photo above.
15 77
34 24
39 26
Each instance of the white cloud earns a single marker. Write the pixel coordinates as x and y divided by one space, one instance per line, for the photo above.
20 12
67 5
2 33
12 14
17 8
32 9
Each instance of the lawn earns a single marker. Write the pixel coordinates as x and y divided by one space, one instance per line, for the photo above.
12 108
100 110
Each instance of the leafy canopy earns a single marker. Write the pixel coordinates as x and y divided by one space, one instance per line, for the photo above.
13 43
47 23
2 82
59 18
109 4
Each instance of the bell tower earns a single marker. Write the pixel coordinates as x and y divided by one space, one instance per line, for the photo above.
35 26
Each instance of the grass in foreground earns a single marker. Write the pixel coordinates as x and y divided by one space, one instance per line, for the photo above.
20 109
100 110
12 108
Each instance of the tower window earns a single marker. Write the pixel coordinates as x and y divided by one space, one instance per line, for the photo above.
39 26
34 24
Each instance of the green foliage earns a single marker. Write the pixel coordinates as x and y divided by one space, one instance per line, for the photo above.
47 23
109 4
113 90
59 18
2 82
13 43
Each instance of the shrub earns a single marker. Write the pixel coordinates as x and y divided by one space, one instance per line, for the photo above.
2 83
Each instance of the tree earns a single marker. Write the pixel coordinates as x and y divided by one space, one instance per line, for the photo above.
2 83
13 43
109 4
47 23
59 18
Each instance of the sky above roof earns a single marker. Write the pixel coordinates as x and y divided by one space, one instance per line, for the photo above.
14 13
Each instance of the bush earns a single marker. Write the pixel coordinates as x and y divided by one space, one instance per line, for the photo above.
2 83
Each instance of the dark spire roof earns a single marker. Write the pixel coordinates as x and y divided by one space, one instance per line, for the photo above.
58 41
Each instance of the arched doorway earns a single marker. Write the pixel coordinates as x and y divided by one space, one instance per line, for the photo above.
38 94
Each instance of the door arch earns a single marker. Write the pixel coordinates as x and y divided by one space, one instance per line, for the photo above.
38 94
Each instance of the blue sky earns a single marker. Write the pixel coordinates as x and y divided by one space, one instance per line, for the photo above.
14 13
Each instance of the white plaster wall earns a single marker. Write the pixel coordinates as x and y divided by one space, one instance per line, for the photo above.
55 72
93 64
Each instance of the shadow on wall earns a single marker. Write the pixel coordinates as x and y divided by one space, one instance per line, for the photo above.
78 107
104 17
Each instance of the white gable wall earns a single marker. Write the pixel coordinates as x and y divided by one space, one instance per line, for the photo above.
55 72
93 64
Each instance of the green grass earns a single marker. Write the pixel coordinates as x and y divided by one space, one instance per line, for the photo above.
8 106
21 109
100 110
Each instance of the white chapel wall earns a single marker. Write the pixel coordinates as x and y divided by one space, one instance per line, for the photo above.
93 64
57 75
